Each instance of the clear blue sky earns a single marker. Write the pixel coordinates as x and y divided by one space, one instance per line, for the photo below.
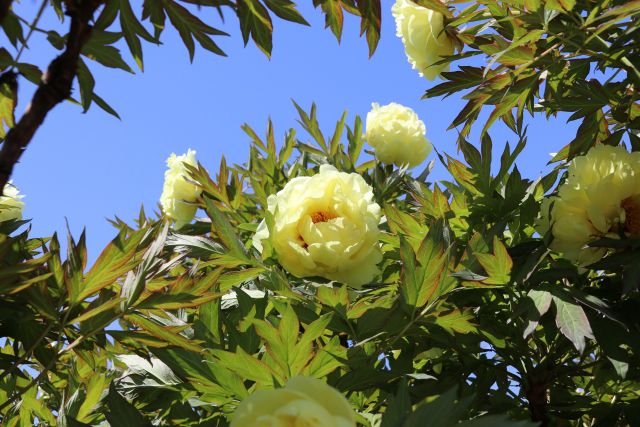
88 167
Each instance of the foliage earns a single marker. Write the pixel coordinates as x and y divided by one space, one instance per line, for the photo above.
473 321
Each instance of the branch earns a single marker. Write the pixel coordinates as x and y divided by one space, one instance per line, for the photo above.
537 392
54 88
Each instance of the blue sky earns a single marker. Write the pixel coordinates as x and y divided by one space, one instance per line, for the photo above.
89 167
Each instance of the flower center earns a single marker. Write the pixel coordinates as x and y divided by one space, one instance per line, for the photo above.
632 215
322 216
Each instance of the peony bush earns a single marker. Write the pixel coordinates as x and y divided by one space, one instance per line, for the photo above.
324 282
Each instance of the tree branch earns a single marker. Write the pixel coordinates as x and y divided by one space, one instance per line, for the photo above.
537 392
54 88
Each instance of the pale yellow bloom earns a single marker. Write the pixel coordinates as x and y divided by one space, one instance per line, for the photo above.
397 134
600 198
325 225
425 42
303 401
178 194
10 204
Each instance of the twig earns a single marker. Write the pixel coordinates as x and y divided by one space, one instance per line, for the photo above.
27 352
54 88
32 27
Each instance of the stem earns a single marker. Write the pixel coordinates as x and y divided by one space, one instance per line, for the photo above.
32 27
27 353
19 392
627 65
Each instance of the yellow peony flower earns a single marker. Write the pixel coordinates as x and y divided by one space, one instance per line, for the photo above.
397 134
325 225
600 198
178 194
10 204
303 401
423 36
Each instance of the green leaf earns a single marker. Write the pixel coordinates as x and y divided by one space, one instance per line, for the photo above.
334 17
94 388
370 20
106 107
593 129
30 72
286 9
8 101
133 30
110 305
456 321
572 321
436 5
116 260
398 408
237 278
13 28
165 333
86 83
444 411
190 26
154 11
560 5
246 366
122 413
222 227
424 272
498 266
255 22
541 302
97 48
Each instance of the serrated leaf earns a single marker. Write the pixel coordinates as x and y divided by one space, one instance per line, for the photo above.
560 5
398 408
133 30
497 265
456 321
444 411
118 258
256 22
286 9
334 16
572 322
121 412
370 20
246 366
165 333
222 227
190 26
109 56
